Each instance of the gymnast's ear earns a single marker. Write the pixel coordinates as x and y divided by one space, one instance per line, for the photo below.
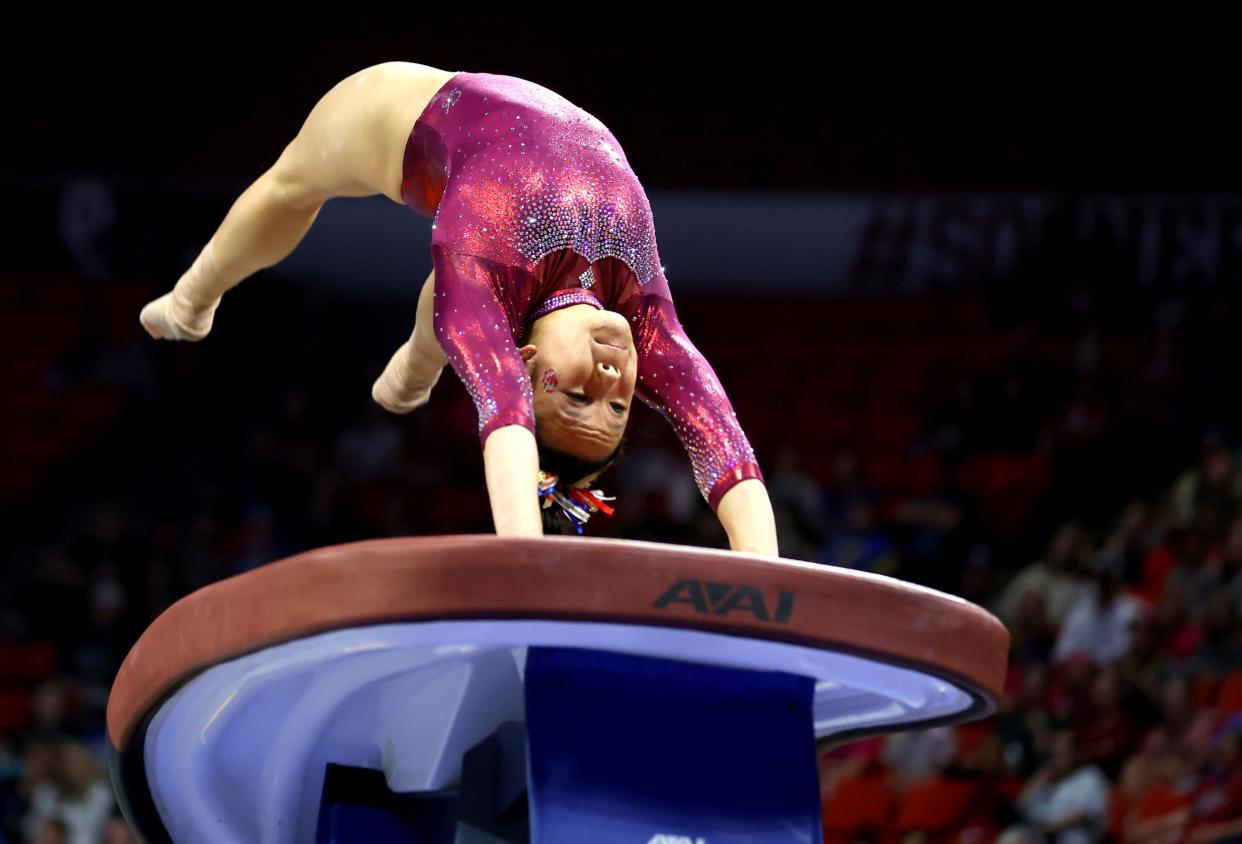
528 352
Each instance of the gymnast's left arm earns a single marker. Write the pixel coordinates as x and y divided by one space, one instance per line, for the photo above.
676 380
746 513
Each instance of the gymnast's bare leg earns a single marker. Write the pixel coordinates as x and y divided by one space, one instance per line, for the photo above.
416 366
351 144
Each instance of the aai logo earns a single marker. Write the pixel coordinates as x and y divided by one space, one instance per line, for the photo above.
660 838
711 598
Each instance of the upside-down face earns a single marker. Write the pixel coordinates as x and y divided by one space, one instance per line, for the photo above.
583 366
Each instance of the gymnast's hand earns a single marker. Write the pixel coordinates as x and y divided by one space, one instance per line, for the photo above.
406 382
172 317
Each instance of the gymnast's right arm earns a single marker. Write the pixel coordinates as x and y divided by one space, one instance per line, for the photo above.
476 333
511 468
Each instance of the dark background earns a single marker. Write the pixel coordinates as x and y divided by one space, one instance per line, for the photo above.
874 97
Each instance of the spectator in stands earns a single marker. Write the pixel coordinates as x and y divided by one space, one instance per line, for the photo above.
370 448
257 540
1216 807
1104 732
1231 565
1023 725
1145 665
859 543
1098 625
1066 800
197 553
1218 646
1132 536
118 832
1212 487
95 660
53 831
930 528
651 520
1193 576
1154 763
844 488
53 593
797 503
1032 635
37 765
1190 731
1054 578
78 794
956 426
919 754
976 581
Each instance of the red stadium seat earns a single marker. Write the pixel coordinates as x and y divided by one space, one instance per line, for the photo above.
1158 801
890 431
856 805
1204 689
26 662
14 711
1229 701
884 470
924 473
970 737
1118 805
935 805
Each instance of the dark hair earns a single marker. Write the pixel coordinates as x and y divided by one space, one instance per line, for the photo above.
569 470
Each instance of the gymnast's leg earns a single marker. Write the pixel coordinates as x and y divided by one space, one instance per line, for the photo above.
415 367
259 231
342 149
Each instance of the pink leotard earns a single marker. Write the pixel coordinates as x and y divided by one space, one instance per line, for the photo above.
534 204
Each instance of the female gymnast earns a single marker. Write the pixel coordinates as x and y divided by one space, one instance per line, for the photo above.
546 294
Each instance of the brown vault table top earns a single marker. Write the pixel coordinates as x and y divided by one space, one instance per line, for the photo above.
559 578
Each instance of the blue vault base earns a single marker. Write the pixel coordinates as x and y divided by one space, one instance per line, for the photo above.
477 732
626 748
617 748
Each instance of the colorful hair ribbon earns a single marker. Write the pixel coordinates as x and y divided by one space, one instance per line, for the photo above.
578 502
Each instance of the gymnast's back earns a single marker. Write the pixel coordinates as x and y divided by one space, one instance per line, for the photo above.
512 171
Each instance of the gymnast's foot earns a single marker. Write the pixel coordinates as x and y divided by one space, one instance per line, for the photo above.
406 382
171 317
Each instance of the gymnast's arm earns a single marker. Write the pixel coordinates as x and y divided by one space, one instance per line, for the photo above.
746 513
476 333
677 381
511 470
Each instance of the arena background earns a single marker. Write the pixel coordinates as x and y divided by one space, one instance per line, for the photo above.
969 282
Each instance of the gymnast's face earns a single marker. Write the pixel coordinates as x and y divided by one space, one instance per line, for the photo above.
583 367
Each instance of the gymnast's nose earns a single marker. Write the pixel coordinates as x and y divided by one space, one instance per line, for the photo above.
607 371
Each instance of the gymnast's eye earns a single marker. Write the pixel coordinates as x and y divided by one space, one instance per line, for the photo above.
618 407
579 398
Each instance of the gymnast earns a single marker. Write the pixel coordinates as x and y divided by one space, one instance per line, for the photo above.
546 294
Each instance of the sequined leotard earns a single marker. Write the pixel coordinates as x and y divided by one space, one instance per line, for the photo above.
535 204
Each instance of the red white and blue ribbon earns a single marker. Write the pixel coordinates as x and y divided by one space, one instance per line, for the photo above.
578 502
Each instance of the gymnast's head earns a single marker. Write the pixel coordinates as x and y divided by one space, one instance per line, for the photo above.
583 366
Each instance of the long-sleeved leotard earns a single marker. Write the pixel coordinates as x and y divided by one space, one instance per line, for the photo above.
532 198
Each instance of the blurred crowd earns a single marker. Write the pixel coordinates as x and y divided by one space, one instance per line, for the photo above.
1075 478
1122 718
